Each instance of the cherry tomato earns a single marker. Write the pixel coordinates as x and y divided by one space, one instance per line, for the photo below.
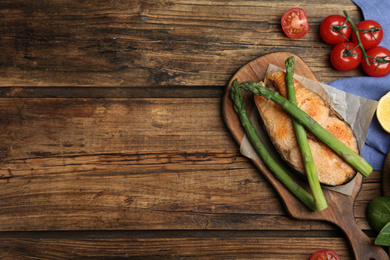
379 58
369 39
325 254
335 30
294 23
346 56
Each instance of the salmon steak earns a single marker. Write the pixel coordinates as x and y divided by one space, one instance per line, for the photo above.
331 168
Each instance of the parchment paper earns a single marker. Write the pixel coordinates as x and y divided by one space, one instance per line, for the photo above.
356 111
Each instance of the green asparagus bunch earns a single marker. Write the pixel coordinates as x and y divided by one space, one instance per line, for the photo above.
303 143
270 162
351 157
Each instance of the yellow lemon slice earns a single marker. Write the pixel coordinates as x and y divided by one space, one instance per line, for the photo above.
383 112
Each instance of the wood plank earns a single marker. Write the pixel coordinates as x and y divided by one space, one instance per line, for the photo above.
113 92
133 164
66 126
157 248
152 43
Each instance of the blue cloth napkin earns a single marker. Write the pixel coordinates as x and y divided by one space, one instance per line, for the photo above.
378 141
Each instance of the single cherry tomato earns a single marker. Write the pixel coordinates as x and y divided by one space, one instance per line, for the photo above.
379 58
294 23
372 36
334 29
346 56
325 254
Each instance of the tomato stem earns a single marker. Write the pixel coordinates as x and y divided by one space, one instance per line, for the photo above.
356 32
380 60
338 28
371 30
349 52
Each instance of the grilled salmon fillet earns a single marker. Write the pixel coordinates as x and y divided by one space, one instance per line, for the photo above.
331 168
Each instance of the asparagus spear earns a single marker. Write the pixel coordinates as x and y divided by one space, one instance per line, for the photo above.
303 143
352 158
281 175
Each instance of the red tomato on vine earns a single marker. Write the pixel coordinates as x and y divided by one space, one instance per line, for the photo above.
335 29
370 33
346 56
379 59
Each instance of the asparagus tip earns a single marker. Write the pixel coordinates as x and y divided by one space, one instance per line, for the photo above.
289 63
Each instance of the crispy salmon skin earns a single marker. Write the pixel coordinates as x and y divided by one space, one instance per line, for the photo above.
331 168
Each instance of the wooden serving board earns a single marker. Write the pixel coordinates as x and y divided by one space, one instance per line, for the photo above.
340 209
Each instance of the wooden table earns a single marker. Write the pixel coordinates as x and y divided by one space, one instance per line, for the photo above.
113 143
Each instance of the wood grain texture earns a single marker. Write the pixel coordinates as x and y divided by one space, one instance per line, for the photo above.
168 248
153 42
85 164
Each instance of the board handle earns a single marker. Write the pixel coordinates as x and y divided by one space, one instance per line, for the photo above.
363 247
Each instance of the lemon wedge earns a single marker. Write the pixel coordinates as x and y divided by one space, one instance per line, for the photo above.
383 112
